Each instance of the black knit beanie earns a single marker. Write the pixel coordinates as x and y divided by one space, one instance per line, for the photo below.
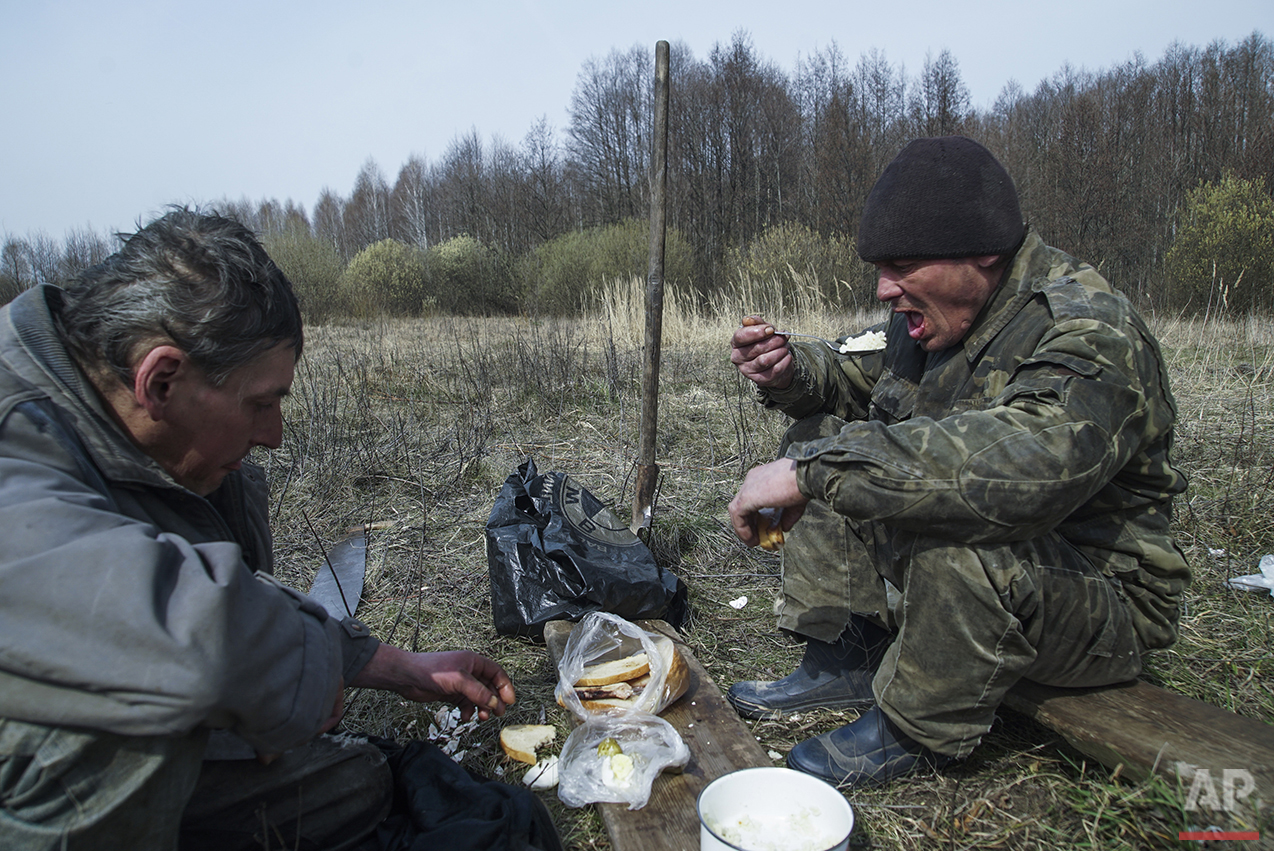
945 197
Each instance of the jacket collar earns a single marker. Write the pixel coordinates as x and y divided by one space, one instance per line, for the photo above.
32 349
1017 287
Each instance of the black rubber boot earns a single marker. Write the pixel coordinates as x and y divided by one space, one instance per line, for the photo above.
868 752
830 676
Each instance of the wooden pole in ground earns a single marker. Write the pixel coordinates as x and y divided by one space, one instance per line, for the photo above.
647 469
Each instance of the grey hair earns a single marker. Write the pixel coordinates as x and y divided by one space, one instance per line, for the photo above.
199 281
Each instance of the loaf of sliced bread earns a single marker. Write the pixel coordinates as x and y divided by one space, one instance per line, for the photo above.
676 681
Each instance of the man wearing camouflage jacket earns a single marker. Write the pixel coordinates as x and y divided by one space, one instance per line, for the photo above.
984 499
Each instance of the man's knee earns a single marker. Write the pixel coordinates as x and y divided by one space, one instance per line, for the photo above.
1087 632
812 427
328 794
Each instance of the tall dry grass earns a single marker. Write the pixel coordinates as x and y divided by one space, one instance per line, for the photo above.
417 423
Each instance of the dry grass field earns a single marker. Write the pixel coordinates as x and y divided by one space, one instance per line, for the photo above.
416 424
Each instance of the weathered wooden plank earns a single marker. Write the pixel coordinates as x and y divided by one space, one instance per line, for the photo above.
1146 729
719 743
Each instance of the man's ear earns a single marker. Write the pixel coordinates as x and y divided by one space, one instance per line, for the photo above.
989 260
155 375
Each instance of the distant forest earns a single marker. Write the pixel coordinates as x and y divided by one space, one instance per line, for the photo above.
1159 172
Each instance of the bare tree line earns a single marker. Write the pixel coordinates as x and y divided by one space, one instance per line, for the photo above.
1104 160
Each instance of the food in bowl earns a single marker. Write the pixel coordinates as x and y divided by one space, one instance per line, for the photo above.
773 809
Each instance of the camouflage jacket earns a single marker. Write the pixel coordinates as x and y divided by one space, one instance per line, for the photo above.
1053 414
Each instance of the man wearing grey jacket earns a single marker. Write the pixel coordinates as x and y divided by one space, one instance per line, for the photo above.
137 607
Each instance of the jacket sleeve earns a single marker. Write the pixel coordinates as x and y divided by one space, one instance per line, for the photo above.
826 382
1071 417
358 645
112 624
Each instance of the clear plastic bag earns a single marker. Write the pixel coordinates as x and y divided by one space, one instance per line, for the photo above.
649 744
603 637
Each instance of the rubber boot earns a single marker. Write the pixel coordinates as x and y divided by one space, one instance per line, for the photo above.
830 676
867 752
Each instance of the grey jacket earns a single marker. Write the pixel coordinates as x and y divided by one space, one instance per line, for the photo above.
1053 414
128 603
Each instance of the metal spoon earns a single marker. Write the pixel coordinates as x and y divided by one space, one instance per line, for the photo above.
834 346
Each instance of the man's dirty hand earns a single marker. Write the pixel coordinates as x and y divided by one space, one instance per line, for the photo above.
761 356
771 485
469 680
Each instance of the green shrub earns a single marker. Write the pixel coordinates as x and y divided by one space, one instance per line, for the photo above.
386 277
1223 255
314 267
568 274
792 258
469 278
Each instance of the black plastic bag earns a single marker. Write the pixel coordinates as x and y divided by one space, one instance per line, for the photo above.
555 552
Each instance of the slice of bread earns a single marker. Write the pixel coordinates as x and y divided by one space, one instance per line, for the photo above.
619 670
520 741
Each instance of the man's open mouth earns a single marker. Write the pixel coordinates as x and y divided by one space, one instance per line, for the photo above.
915 324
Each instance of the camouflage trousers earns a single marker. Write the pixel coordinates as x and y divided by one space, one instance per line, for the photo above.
968 620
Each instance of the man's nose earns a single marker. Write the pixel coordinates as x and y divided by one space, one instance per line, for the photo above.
270 432
886 288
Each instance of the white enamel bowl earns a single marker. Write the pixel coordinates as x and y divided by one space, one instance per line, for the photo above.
773 809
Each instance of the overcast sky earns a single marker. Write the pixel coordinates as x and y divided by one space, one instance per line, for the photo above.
109 111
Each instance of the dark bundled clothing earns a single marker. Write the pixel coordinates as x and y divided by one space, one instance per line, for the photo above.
439 804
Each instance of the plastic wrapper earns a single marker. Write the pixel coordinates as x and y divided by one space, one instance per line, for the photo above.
602 637
556 552
1263 581
647 745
